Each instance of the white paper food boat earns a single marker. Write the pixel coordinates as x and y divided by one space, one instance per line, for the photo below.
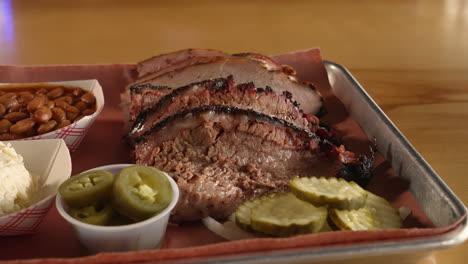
50 160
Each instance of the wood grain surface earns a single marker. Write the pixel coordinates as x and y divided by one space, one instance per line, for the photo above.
411 56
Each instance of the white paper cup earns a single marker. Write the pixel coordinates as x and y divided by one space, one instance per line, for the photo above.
147 234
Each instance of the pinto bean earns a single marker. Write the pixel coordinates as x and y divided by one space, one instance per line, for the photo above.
81 105
72 109
16 116
58 114
42 91
88 112
77 91
72 116
25 97
67 99
88 98
15 108
64 123
22 126
8 96
55 93
2 110
78 118
61 104
42 114
9 102
50 104
46 127
9 136
30 132
5 125
35 103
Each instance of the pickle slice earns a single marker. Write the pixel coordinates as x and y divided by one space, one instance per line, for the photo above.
243 214
87 188
377 213
141 192
360 219
333 192
385 216
93 215
284 215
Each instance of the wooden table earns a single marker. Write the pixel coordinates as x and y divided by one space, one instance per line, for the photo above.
411 56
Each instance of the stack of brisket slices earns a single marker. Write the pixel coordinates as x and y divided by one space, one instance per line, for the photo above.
229 128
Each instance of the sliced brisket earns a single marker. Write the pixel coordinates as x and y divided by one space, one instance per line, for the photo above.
262 72
222 155
221 91
159 62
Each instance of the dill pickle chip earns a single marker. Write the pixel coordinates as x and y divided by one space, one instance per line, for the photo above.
331 192
377 213
360 219
385 216
285 215
243 213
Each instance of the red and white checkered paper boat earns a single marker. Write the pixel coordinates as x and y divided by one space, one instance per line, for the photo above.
50 159
74 133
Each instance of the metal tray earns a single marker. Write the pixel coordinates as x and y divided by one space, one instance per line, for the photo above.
441 205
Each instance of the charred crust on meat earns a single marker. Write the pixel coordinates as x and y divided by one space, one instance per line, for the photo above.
227 110
288 94
243 54
215 86
311 85
246 87
360 172
138 87
266 90
289 97
289 70
218 84
322 111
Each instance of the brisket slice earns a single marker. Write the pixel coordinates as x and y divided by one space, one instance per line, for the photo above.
145 87
143 97
219 156
159 62
266 61
174 67
244 70
140 95
222 91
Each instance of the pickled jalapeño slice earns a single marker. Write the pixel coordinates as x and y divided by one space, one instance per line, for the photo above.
333 192
285 215
141 192
93 215
87 188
